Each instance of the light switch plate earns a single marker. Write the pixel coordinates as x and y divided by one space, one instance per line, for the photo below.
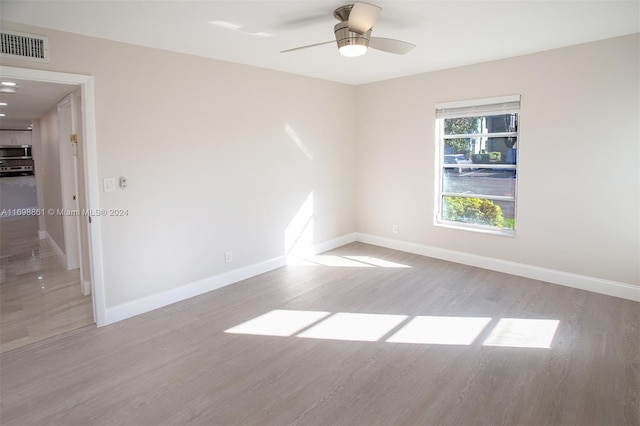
109 184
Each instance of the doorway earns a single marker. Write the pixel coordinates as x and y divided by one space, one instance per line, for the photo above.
42 276
79 107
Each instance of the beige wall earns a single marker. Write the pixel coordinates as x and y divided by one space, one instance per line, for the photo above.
219 157
578 185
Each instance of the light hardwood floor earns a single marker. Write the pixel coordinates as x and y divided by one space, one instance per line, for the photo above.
177 365
38 297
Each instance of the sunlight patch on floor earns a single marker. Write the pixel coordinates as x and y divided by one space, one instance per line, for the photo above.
278 323
523 333
429 330
377 262
355 327
328 260
344 261
440 330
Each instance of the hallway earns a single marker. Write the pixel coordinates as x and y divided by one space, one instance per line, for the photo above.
38 297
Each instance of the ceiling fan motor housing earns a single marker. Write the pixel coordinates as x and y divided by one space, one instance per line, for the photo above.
353 32
344 37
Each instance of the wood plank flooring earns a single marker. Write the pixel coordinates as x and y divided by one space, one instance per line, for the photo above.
38 297
177 365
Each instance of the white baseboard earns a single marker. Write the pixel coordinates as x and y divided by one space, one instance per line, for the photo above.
596 285
62 258
187 291
335 243
136 307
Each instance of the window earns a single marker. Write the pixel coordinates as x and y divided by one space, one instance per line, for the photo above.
477 163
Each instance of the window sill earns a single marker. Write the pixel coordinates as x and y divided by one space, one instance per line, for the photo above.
477 228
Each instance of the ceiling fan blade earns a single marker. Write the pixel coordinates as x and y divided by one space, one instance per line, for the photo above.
289 25
362 17
390 45
307 46
305 21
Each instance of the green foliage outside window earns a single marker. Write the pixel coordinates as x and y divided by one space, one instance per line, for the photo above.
460 146
460 126
474 210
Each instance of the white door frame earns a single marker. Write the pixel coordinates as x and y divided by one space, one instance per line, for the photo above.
86 84
69 184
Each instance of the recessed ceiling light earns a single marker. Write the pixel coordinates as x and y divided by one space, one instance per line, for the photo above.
3 115
8 83
3 104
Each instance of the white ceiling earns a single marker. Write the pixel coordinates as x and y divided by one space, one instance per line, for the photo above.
447 33
31 100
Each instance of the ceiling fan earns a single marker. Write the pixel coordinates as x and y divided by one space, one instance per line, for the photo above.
353 32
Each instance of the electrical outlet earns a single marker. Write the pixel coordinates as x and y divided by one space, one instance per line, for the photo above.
228 256
394 229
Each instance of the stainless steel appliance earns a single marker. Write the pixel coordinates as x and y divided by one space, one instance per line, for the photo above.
15 160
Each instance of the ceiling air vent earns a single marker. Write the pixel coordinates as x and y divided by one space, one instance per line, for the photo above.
24 46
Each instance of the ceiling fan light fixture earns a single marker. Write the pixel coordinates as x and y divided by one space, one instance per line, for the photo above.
353 32
351 43
352 50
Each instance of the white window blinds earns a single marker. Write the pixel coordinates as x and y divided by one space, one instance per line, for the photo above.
479 107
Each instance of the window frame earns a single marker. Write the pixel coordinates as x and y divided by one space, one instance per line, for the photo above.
474 108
